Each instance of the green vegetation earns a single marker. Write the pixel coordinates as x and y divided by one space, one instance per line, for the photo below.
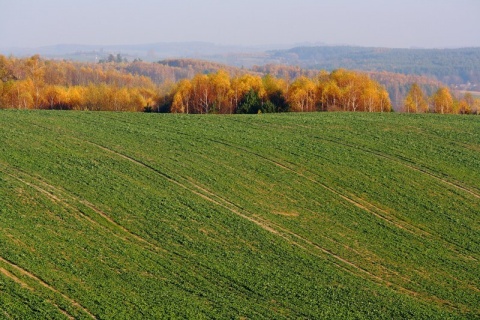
308 215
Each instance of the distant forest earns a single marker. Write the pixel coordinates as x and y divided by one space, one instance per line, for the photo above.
192 86
450 66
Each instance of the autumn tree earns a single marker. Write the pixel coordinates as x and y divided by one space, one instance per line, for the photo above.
415 100
35 68
24 92
384 101
348 93
369 96
330 95
202 94
145 97
220 83
33 82
476 107
77 98
6 73
442 101
121 99
466 104
54 96
6 81
181 99
302 95
351 91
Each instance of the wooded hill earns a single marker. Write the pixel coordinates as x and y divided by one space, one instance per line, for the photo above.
450 66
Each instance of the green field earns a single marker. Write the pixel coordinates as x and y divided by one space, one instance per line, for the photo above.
280 216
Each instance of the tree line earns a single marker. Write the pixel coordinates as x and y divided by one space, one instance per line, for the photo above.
441 101
35 83
221 93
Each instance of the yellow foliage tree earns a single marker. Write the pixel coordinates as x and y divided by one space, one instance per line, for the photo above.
181 99
442 101
415 100
302 95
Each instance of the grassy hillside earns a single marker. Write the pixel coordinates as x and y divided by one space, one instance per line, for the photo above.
338 215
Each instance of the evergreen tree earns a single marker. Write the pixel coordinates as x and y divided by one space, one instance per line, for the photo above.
251 103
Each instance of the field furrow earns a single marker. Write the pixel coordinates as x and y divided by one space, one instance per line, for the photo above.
42 283
409 164
64 200
351 198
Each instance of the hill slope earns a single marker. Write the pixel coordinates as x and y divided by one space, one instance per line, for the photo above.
119 215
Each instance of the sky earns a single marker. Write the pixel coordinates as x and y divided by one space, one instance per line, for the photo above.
378 23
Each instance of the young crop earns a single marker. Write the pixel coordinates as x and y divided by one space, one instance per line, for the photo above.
338 215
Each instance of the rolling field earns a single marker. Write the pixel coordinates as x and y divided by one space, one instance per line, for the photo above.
280 216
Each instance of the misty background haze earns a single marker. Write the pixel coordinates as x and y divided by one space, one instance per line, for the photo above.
379 23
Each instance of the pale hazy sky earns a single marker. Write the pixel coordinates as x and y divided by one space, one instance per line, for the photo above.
387 23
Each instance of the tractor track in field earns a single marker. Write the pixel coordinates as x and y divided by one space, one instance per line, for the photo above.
304 243
65 313
42 283
288 235
280 231
175 255
275 229
209 196
409 164
205 197
169 178
146 244
15 279
406 163
350 198
360 203
24 285
86 203
362 206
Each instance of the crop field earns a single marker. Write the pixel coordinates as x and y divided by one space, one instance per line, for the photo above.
278 216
